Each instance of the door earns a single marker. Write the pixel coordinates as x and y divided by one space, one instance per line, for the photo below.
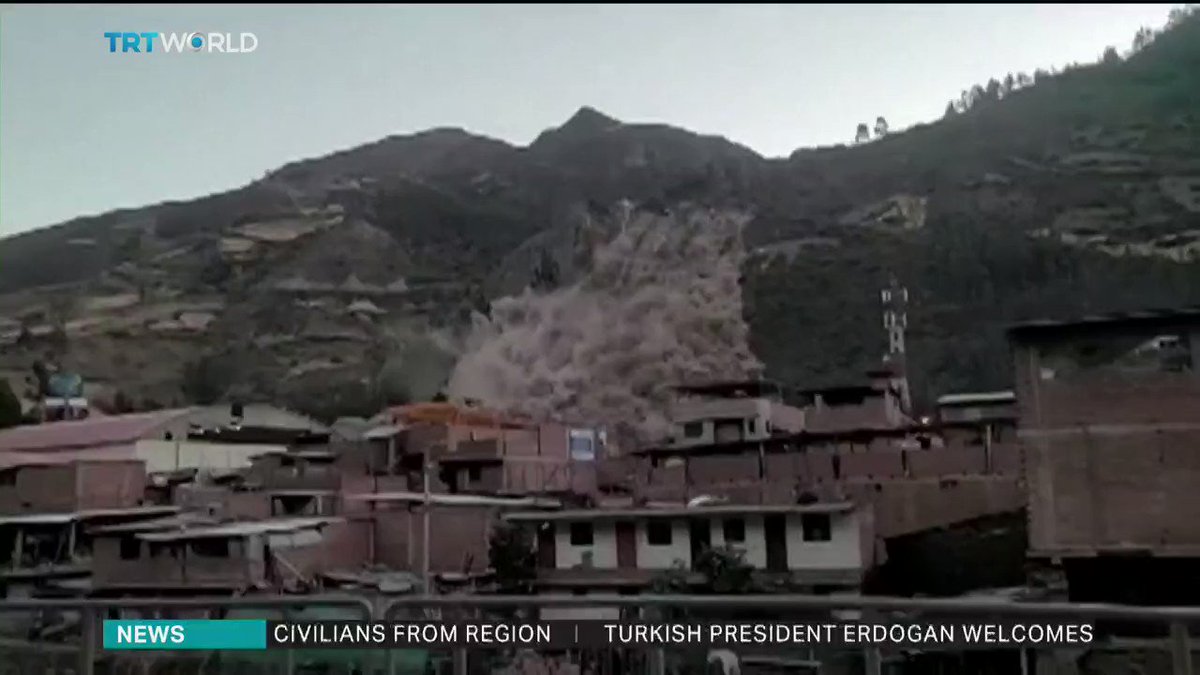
701 537
626 545
545 546
775 533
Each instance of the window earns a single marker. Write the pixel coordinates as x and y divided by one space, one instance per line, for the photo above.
474 474
581 534
210 548
752 426
816 526
131 548
658 532
735 530
693 430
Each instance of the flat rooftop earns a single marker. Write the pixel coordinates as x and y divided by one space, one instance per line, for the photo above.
1147 318
680 511
442 499
968 398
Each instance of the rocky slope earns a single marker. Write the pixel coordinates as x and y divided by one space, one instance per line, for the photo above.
341 281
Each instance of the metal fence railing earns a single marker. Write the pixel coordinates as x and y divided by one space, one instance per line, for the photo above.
1123 630
62 636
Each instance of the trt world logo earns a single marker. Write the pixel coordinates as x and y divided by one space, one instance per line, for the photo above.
155 42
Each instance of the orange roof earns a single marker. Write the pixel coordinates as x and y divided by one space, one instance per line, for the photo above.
451 414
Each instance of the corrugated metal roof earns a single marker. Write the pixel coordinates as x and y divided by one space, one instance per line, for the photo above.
240 529
39 519
980 397
63 518
158 524
88 433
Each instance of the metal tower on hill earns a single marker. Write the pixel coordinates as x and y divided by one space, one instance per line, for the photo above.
895 321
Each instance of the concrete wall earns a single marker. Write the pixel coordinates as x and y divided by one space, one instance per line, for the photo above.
754 413
661 557
603 549
843 550
754 548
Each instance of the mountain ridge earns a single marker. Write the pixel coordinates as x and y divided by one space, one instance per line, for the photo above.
1080 193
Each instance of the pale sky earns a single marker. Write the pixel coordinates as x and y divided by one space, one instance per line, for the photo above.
83 131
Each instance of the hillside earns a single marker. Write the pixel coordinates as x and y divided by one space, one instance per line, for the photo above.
340 281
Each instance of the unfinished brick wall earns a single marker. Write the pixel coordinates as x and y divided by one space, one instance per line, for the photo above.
110 485
871 413
952 461
1109 452
343 546
721 469
1106 395
458 538
1114 491
871 464
907 506
224 503
45 489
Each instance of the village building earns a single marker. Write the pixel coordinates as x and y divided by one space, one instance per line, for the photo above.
438 536
818 547
461 448
190 557
1107 410
46 510
217 439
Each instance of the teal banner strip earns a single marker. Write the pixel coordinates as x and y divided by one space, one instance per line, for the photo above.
162 635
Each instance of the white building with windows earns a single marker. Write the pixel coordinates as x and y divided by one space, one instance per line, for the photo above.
732 412
824 546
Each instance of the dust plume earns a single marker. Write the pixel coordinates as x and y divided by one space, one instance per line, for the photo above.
657 304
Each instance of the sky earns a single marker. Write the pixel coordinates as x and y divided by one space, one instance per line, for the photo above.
84 131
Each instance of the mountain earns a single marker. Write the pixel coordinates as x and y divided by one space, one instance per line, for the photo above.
337 282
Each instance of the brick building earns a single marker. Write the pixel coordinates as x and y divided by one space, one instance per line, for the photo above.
1108 423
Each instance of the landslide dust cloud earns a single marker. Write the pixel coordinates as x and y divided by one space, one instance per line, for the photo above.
659 305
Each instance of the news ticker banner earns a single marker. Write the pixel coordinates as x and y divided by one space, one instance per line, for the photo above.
166 635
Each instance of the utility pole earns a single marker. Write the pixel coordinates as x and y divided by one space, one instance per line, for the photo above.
426 467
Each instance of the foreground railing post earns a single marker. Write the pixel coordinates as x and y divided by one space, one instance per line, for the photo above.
460 661
1181 649
872 661
88 643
